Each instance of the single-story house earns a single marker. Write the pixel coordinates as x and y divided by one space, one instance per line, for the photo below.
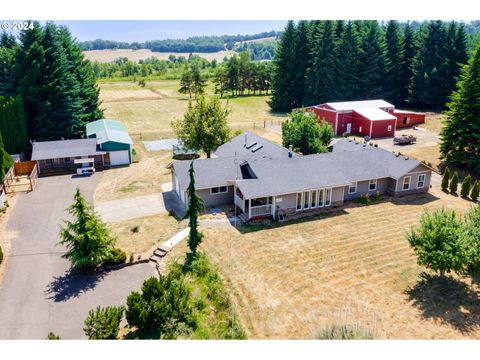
264 179
372 118
107 143
112 137
60 155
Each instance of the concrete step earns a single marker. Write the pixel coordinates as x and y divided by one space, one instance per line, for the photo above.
160 253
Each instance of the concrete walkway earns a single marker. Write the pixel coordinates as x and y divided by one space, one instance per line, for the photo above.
39 293
131 208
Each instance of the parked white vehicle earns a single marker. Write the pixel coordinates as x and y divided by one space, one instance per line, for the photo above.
86 166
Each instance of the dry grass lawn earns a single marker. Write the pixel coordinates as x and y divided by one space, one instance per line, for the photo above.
356 266
433 122
138 236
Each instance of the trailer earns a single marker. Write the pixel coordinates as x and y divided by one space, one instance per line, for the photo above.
404 140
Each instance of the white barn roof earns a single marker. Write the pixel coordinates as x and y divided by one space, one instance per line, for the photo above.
375 114
355 105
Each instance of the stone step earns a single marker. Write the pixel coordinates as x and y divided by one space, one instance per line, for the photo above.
160 253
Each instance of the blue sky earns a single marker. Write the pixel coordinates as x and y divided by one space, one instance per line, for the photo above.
143 30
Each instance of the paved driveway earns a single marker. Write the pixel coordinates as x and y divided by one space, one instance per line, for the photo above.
38 293
132 207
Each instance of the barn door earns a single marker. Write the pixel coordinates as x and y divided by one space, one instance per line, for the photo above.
349 128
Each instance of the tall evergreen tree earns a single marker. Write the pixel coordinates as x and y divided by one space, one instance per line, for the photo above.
371 62
409 51
283 96
427 87
321 75
195 205
8 75
302 51
394 57
347 64
13 124
460 135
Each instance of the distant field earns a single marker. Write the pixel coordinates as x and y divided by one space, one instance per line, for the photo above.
136 55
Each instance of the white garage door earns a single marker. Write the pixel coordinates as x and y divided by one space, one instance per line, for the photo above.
119 158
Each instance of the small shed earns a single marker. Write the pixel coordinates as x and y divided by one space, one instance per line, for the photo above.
112 137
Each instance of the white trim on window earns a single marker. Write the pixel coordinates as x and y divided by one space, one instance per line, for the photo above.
328 201
372 182
352 185
219 190
423 177
404 182
297 208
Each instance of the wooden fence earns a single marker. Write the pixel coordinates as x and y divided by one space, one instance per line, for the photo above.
22 177
265 123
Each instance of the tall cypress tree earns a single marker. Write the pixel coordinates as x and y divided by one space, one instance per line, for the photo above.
195 205
460 135
283 96
8 75
394 56
347 64
371 62
321 75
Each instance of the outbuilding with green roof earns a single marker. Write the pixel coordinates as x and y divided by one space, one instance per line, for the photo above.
112 137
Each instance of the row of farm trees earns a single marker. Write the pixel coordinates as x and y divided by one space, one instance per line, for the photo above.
320 61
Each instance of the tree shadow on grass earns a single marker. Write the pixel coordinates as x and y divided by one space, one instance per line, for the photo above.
72 284
447 299
137 334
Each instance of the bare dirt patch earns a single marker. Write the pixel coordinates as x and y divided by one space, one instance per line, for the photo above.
290 281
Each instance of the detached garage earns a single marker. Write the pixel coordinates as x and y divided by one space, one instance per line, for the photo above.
112 137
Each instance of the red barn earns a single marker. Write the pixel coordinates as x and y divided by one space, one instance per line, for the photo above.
373 118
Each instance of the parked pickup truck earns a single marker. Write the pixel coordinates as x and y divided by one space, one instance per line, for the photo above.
404 139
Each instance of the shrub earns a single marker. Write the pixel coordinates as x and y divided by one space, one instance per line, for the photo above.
345 332
135 229
164 304
1 255
363 199
475 191
376 145
115 256
376 197
466 185
52 336
103 323
454 183
445 179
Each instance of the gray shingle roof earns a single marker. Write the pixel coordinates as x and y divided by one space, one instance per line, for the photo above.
347 163
42 150
242 145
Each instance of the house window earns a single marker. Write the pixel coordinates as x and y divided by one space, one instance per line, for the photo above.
352 189
306 200
68 160
359 129
372 185
406 120
49 161
389 127
321 197
328 197
218 190
299 201
421 181
314 199
406 183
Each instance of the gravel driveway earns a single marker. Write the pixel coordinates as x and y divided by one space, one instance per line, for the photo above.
38 293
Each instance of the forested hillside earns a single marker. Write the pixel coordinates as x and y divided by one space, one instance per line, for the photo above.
192 44
45 70
416 65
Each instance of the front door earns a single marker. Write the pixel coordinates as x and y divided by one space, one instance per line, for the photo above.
349 128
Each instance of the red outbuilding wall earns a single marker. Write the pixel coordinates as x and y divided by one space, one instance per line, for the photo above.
380 128
414 119
325 113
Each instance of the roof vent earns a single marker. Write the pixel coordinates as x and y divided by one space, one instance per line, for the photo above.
396 155
256 148
251 144
406 157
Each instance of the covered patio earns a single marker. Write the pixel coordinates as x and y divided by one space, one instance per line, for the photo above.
251 208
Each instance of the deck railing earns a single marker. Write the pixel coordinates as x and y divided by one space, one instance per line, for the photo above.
261 210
